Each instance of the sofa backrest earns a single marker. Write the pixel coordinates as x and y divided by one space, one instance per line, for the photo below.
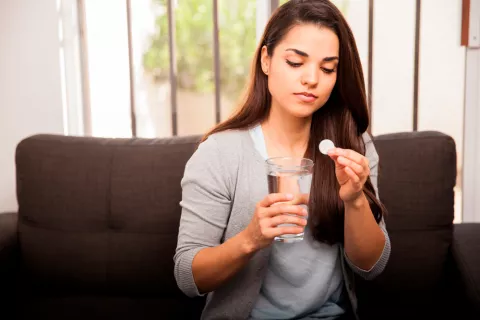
101 215
417 175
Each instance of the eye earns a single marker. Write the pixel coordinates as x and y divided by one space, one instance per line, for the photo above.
293 64
328 71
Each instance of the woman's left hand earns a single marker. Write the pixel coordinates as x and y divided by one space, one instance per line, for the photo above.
352 170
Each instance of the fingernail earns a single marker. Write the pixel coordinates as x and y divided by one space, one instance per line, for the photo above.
289 196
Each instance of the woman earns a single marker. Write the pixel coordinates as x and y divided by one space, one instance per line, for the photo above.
306 85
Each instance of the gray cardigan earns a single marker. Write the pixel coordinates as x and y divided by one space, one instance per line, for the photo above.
223 181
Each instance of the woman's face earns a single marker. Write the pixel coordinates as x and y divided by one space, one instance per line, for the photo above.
302 70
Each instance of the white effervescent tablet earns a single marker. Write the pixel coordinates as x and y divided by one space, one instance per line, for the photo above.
325 146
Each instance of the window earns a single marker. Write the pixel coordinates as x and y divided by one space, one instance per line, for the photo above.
193 22
129 59
157 68
107 68
237 24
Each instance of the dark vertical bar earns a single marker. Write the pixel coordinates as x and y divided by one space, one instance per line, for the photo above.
416 65
216 57
131 70
87 111
370 62
465 22
274 5
173 65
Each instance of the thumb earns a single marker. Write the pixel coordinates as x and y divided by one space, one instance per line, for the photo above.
300 198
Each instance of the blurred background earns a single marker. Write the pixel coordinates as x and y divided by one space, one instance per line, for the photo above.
162 68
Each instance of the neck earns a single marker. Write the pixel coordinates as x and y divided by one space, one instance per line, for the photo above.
286 135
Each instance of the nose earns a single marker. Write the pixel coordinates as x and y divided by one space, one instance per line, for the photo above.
310 76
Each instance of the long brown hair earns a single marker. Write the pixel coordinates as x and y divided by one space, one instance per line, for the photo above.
342 119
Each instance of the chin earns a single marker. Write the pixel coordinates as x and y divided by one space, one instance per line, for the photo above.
301 114
302 111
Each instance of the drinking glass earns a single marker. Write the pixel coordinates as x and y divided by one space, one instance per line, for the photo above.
289 175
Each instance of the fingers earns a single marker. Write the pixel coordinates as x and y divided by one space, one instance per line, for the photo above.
358 169
348 158
350 155
287 219
274 222
284 209
275 197
352 170
352 175
300 198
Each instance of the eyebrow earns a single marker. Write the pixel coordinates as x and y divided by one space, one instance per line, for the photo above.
304 54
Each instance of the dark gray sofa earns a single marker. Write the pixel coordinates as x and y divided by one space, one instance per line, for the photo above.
98 218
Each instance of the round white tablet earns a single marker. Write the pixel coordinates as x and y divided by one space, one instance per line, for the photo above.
325 145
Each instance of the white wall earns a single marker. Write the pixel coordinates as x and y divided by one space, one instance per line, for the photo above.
442 70
471 163
442 77
30 87
393 65
471 159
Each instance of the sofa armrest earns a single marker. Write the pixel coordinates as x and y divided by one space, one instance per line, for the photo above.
8 237
465 251
9 258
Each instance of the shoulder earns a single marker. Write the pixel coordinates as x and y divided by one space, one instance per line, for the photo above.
229 139
220 156
220 150
370 150
225 143
366 137
215 162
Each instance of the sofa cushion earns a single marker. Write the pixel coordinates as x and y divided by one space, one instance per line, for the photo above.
100 214
417 175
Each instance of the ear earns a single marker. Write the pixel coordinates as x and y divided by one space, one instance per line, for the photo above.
265 60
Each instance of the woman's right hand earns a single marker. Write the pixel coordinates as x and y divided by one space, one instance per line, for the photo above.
273 210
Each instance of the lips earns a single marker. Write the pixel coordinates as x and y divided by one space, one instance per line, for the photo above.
306 97
307 94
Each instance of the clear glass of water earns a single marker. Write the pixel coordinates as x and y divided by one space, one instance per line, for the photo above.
289 175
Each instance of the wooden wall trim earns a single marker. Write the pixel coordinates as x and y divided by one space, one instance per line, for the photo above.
465 22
